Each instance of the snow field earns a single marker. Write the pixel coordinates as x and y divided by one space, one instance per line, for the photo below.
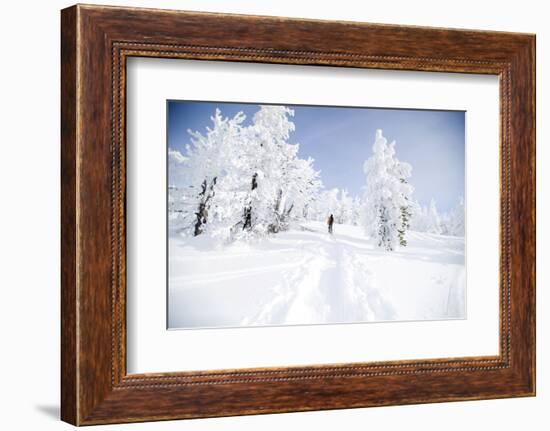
306 276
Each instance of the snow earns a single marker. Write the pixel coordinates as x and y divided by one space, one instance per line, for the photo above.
248 245
306 276
387 195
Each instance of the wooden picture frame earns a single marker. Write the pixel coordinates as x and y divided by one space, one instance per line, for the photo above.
95 43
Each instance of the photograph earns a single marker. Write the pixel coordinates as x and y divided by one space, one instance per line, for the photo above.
301 215
263 217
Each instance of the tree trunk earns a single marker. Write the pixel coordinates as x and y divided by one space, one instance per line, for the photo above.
276 225
247 225
206 194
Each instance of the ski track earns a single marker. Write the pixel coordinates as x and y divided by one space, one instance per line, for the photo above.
307 276
322 288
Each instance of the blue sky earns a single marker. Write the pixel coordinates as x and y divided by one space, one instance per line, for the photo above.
340 140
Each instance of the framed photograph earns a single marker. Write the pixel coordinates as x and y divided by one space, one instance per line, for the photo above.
264 214
329 230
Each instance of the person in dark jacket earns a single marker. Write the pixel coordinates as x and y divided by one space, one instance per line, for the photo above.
330 222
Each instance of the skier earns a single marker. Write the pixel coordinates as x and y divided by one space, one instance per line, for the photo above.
330 222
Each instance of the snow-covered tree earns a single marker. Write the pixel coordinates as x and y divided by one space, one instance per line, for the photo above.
177 209
344 210
419 220
429 219
297 192
326 203
357 208
456 223
388 195
433 219
244 180
176 163
209 157
270 156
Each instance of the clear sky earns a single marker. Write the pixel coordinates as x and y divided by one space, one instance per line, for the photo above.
340 140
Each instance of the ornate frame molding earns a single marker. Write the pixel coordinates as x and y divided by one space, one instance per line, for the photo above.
96 41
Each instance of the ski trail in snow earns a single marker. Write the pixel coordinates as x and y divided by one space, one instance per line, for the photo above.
331 284
306 276
295 284
364 296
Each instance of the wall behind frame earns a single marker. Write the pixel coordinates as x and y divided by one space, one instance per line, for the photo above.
29 220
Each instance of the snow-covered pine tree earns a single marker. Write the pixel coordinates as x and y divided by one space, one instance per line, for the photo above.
177 209
209 158
269 154
387 194
282 207
246 180
317 210
330 203
345 208
299 187
419 217
344 211
434 220
457 219
280 210
356 211
402 171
